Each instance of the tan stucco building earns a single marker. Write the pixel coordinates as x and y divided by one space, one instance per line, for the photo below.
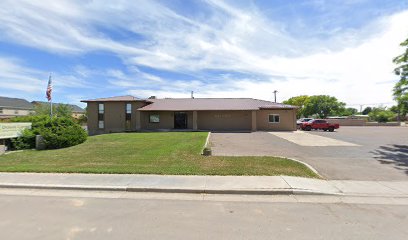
128 113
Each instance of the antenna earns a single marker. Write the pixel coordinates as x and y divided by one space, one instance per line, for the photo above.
274 93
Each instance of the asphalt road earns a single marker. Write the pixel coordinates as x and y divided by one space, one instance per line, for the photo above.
382 153
84 215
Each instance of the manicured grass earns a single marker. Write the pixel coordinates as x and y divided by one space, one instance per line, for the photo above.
147 153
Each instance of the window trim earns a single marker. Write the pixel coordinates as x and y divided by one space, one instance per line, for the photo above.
152 114
273 114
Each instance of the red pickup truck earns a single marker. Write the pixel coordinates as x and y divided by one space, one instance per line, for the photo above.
319 124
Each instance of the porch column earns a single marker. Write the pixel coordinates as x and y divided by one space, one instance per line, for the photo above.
253 128
195 120
138 121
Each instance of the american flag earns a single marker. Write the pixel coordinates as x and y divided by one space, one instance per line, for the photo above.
48 93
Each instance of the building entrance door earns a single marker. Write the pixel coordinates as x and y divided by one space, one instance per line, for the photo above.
180 120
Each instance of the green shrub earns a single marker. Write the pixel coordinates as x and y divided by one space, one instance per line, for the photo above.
61 133
381 115
25 141
58 132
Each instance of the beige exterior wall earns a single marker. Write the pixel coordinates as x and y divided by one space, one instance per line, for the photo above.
287 120
12 112
77 115
166 120
224 120
114 117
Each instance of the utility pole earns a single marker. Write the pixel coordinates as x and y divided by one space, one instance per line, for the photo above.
274 93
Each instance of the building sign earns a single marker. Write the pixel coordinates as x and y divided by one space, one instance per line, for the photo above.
222 115
12 130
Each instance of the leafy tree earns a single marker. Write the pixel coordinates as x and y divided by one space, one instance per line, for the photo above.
42 109
63 110
400 90
323 106
299 101
58 110
394 109
381 115
366 110
349 111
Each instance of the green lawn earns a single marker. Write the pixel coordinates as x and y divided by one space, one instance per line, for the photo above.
147 153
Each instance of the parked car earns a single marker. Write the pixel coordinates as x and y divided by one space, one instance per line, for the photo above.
302 120
319 124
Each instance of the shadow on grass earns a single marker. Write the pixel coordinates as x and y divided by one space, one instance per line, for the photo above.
395 154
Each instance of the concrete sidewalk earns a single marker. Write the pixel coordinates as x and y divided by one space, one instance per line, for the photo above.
266 185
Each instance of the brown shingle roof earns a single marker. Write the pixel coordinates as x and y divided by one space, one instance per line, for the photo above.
201 104
127 98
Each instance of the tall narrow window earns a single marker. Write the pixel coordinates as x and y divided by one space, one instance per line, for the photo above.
128 115
1 110
101 115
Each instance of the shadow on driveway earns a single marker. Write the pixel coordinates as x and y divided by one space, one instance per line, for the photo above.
396 155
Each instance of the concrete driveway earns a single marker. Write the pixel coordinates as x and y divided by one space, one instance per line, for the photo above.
351 153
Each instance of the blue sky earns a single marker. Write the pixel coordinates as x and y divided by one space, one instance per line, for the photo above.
214 48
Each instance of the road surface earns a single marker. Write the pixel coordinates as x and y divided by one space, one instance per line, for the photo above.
46 214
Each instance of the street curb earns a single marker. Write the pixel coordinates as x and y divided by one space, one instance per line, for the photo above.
270 192
167 190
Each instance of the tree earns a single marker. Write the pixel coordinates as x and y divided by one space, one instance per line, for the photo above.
323 106
366 110
58 110
349 111
400 90
63 110
394 109
381 115
299 101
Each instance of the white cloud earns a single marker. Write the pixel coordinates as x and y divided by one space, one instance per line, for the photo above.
348 64
17 80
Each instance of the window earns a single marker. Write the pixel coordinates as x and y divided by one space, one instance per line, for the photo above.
128 117
1 110
154 118
101 115
15 111
274 118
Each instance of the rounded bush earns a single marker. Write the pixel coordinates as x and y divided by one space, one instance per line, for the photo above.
58 132
61 133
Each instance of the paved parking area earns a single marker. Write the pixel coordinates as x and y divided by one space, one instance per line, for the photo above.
375 153
303 138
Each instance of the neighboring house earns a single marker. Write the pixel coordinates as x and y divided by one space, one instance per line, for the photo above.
13 107
77 111
128 113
